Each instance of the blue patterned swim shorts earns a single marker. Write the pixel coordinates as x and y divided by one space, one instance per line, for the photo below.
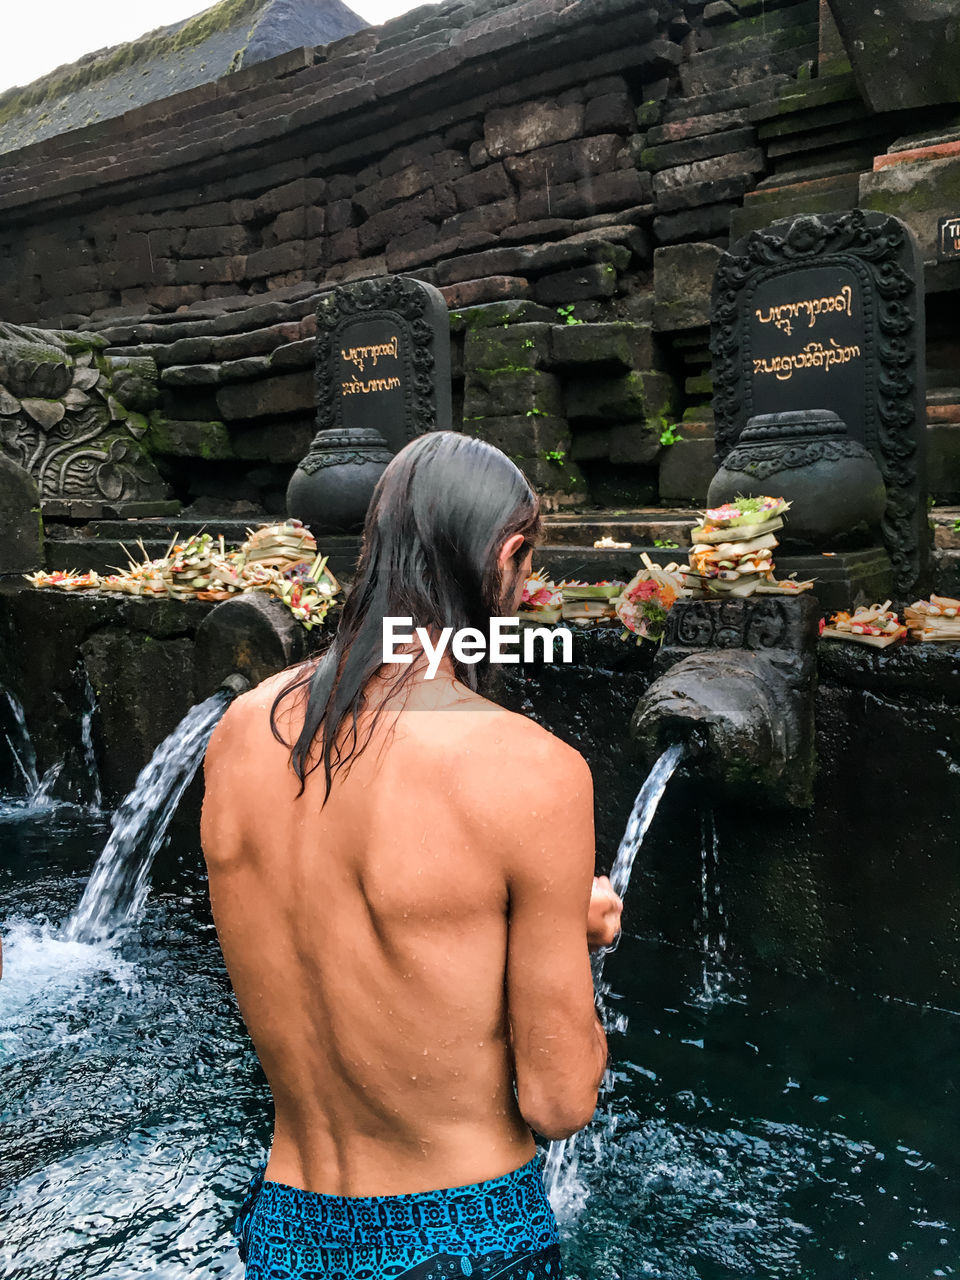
503 1229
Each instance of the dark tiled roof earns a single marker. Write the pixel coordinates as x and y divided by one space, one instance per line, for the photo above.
196 51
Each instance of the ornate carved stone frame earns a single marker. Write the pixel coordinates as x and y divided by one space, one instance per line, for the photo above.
406 303
880 251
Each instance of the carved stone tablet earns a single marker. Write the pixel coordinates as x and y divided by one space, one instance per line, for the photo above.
827 313
383 359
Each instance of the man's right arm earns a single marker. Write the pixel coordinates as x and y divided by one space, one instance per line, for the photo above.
560 1050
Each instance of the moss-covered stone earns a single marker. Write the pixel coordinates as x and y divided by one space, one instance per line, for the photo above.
554 476
919 194
636 397
943 461
489 315
495 393
207 440
631 346
517 347
517 434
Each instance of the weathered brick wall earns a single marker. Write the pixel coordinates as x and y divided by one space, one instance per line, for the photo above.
427 140
528 158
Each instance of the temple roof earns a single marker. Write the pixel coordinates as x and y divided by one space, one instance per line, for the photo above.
108 82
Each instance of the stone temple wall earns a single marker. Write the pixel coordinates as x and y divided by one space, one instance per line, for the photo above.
542 162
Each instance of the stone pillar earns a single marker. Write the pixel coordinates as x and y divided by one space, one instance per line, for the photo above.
21 525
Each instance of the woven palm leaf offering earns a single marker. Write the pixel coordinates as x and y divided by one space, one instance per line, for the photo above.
877 626
280 560
308 590
542 602
280 546
65 580
199 569
733 548
935 619
141 577
647 599
589 602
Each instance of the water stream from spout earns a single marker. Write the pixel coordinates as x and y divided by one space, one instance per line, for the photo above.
38 792
21 745
119 882
560 1169
86 742
716 976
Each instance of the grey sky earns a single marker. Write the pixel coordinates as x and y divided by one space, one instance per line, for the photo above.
39 36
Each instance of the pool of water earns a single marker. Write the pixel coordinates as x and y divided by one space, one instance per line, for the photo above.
786 1130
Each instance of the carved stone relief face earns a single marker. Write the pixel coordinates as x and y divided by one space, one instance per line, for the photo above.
72 417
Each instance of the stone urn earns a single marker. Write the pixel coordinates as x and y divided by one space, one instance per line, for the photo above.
331 488
833 483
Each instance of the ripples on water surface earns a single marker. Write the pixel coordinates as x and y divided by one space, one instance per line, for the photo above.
802 1135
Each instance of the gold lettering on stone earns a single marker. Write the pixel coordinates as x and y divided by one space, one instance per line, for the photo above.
813 356
783 316
356 387
360 355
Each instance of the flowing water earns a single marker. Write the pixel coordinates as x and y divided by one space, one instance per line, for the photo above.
803 1134
38 793
560 1171
716 977
21 745
86 743
118 886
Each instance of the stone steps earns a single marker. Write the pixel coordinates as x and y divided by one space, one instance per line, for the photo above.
644 527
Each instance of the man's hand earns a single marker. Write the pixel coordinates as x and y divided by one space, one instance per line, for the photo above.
603 916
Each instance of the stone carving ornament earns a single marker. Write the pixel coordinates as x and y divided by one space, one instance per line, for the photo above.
877 252
73 417
425 377
737 680
732 624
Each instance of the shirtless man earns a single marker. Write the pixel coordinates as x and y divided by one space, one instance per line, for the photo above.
405 912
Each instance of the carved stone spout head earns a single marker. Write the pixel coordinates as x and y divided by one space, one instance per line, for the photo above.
735 711
737 686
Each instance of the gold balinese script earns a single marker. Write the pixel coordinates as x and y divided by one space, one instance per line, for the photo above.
356 387
360 355
813 356
783 315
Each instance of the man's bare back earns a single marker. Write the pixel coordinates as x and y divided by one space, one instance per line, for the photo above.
410 958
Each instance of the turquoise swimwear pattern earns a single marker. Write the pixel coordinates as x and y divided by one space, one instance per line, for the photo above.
503 1229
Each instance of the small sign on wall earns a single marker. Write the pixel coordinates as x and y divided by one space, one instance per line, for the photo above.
948 238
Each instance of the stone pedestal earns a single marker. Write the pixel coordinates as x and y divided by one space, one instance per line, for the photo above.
843 578
829 311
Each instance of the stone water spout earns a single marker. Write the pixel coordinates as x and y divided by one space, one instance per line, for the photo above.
737 684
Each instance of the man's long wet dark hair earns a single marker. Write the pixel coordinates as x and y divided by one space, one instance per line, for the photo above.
438 518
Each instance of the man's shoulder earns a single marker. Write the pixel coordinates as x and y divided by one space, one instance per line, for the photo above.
250 711
516 750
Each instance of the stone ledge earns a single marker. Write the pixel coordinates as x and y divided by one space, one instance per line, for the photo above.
930 670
